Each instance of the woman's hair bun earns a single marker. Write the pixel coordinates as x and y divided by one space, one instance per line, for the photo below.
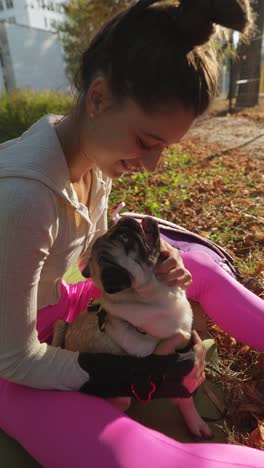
198 17
195 19
233 14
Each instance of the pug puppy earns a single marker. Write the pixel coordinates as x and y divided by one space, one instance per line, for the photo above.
141 311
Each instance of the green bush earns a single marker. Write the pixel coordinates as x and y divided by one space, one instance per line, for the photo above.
20 109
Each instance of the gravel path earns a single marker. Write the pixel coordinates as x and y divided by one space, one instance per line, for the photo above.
229 132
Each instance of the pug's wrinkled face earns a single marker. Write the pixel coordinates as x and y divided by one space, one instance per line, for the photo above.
124 257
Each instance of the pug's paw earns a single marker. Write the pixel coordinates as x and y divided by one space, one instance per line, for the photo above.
200 429
196 425
169 345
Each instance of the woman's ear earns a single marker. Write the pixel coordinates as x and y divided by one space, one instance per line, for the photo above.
98 97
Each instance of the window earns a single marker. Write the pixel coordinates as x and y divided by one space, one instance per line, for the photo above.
9 4
59 7
53 24
1 5
45 22
1 60
2 66
11 19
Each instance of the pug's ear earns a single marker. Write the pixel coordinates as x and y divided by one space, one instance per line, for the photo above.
152 236
115 279
129 223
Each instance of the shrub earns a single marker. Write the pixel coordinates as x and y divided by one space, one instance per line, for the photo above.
20 109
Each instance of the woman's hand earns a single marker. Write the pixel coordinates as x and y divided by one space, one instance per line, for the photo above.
170 268
196 377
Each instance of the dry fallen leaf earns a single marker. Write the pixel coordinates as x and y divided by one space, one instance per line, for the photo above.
256 438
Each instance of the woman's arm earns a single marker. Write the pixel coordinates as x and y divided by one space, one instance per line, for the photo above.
28 220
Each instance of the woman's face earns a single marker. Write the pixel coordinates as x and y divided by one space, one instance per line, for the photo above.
124 139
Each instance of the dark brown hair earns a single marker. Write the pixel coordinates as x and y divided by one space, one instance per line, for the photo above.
158 53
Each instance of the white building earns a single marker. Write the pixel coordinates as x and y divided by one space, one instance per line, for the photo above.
30 58
30 53
41 14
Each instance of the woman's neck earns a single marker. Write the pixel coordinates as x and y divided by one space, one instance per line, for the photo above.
69 134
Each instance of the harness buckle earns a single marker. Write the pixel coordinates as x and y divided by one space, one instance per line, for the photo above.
151 391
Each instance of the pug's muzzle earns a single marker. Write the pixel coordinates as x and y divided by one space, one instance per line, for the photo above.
124 251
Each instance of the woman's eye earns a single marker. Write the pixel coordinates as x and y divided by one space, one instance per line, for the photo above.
142 145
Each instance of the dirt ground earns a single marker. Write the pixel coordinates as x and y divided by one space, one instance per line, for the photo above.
228 131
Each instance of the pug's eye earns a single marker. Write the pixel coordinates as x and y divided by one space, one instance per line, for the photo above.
124 238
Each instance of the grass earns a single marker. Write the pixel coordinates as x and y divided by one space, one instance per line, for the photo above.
221 199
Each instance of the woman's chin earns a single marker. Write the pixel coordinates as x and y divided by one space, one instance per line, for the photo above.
118 174
114 173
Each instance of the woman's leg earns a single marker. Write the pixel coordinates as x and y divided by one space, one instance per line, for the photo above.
69 429
227 302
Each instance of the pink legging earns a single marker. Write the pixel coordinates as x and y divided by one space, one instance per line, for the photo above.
68 429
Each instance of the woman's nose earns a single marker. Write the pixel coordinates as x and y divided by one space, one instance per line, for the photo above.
151 160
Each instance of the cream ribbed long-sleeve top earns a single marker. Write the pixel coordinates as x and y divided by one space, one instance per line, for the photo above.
43 231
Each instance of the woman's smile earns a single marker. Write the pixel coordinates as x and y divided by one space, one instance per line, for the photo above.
129 167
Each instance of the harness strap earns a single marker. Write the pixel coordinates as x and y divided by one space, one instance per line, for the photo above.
101 313
96 307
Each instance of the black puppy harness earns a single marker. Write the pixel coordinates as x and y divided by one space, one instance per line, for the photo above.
144 387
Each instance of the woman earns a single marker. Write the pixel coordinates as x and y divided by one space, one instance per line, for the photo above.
144 79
